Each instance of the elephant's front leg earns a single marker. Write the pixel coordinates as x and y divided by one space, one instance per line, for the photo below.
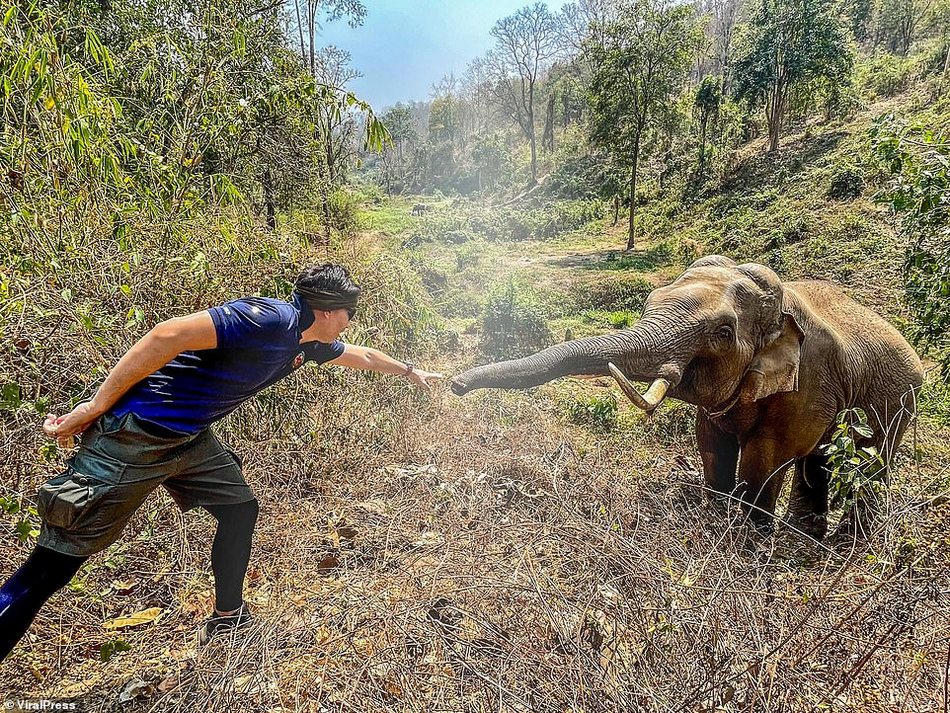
808 505
765 459
720 453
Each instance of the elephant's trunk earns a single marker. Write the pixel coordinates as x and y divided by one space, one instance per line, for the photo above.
647 352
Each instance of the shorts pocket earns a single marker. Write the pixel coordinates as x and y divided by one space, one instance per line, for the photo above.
110 424
235 457
66 500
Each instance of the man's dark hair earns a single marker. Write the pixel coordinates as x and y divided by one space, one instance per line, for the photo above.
327 287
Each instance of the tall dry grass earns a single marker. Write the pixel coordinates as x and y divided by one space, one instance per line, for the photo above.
432 553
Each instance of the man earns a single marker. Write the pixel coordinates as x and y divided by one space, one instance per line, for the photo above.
148 425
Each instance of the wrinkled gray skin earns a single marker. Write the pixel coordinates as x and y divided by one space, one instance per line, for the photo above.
769 365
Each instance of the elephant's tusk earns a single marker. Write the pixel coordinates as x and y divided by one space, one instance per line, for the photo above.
648 401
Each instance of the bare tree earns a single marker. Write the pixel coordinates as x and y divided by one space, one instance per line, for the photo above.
525 43
723 17
310 13
476 89
577 21
336 130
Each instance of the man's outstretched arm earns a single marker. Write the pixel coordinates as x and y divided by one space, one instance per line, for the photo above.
368 359
163 343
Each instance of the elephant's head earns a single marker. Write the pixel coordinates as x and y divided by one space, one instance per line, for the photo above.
718 333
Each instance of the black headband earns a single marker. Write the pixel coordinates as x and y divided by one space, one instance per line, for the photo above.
326 300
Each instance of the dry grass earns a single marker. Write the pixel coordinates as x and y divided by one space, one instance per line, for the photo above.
479 554
462 565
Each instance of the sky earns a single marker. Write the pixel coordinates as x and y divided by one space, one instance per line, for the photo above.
404 47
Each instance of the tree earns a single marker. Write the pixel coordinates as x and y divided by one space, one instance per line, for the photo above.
707 101
638 71
442 131
917 162
335 128
723 15
861 14
308 14
899 21
790 43
525 43
399 123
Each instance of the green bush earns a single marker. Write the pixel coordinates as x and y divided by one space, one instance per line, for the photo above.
934 400
513 324
885 75
516 224
597 411
621 319
846 184
855 472
612 293
344 210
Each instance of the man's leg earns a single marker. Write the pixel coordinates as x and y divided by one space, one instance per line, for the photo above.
44 572
231 551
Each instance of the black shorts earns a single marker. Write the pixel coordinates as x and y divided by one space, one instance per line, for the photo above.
119 462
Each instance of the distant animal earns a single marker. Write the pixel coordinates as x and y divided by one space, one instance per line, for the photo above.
420 208
770 366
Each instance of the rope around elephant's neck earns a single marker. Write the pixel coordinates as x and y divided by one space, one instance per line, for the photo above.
722 412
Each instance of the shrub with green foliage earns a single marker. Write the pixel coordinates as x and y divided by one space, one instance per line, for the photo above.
916 161
846 184
855 472
884 75
513 324
597 411
613 292
343 206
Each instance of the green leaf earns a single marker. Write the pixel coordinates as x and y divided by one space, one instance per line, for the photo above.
26 531
10 396
111 648
864 431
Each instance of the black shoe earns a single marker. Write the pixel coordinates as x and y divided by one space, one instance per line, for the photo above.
219 623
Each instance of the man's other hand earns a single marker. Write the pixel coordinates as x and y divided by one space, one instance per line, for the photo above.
63 428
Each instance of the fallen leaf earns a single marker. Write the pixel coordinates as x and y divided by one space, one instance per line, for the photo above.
146 616
124 586
427 539
376 506
347 532
327 564
133 689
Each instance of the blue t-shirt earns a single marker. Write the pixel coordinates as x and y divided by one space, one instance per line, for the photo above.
258 344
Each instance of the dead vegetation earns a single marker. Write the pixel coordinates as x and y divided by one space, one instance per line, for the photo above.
465 565
479 554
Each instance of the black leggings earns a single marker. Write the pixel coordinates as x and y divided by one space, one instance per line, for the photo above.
231 551
46 571
21 597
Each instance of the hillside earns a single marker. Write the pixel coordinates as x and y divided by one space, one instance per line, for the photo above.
547 551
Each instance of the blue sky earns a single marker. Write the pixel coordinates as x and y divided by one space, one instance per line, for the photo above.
404 47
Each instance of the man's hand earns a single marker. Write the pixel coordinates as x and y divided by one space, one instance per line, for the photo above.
422 378
63 428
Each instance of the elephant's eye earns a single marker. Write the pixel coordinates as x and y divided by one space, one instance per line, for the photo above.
726 333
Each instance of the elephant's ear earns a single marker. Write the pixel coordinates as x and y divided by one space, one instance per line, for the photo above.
774 368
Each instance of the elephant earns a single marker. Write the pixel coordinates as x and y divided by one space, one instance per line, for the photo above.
769 365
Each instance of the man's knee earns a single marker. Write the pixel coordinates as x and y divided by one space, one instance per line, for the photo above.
236 515
252 508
